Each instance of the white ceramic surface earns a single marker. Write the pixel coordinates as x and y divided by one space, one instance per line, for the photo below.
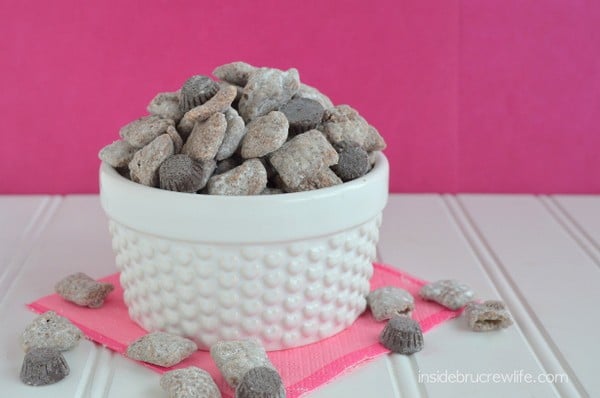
290 269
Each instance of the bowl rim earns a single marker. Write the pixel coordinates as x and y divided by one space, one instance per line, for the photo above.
311 213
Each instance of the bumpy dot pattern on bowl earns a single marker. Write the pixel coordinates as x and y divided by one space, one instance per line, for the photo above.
285 294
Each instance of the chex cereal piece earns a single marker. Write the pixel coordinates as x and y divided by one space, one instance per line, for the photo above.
144 166
267 90
233 134
227 164
321 179
235 358
303 156
448 292
372 157
206 138
118 154
260 382
303 114
388 302
50 330
43 366
309 92
238 95
176 138
250 178
190 382
353 163
374 141
166 105
181 173
208 169
144 130
402 335
220 102
236 73
162 349
197 90
487 316
83 290
343 123
264 135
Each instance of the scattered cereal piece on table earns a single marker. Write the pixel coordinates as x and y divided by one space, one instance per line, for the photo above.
260 382
236 73
450 293
264 135
302 157
235 358
402 335
220 102
196 91
388 302
144 166
487 316
166 105
303 114
233 134
206 138
267 90
162 349
83 290
181 173
50 330
144 130
353 163
249 178
190 382
43 366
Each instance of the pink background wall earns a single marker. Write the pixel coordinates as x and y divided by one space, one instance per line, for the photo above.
478 96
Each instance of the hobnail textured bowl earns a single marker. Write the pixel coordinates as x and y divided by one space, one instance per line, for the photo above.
289 269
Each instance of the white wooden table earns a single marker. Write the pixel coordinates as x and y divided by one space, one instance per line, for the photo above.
539 254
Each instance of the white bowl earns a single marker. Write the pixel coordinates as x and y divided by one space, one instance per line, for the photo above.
289 269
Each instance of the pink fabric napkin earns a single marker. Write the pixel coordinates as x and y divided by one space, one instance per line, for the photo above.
302 369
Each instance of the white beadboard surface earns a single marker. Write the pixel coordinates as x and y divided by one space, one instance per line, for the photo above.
539 254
